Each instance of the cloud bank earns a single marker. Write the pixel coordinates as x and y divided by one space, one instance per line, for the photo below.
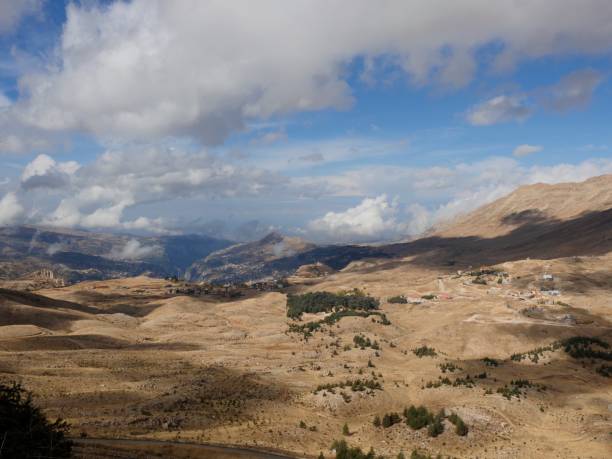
202 68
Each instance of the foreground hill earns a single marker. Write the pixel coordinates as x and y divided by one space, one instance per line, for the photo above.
123 358
77 255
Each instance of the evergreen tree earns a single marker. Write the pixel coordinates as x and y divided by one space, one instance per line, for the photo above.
25 430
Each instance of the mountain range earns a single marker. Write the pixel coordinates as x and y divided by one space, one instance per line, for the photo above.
537 221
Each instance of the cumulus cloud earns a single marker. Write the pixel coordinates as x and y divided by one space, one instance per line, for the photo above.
430 195
153 68
45 172
372 219
11 210
12 11
573 91
134 250
526 149
500 109
97 195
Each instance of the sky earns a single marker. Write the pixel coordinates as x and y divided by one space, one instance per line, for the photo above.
334 120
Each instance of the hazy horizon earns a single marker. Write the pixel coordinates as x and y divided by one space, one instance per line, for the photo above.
339 124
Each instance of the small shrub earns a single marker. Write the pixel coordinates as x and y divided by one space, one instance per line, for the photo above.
436 427
490 362
417 418
605 371
416 455
460 428
344 451
399 299
450 367
424 351
390 418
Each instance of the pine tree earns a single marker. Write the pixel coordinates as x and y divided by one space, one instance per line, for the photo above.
345 430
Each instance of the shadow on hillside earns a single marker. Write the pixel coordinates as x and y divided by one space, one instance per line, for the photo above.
132 305
537 237
40 301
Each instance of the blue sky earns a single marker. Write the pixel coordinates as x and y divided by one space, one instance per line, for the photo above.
363 124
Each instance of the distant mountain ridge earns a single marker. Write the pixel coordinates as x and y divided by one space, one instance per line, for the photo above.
78 255
538 221
531 204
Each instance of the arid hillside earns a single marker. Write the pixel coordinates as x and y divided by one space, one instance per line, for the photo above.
407 349
533 205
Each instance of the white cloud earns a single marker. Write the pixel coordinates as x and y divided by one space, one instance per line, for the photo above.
500 109
12 11
434 194
526 149
153 68
97 195
134 250
45 172
372 219
11 210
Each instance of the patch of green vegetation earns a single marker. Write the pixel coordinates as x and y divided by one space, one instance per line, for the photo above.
357 385
490 362
429 297
344 451
436 427
578 347
605 371
581 347
450 367
418 417
461 428
363 342
399 299
519 388
313 302
484 272
425 351
416 455
308 328
390 419
467 382
535 354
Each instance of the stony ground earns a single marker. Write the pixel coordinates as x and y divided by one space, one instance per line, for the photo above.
123 359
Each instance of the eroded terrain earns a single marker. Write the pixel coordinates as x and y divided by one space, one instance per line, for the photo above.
125 359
